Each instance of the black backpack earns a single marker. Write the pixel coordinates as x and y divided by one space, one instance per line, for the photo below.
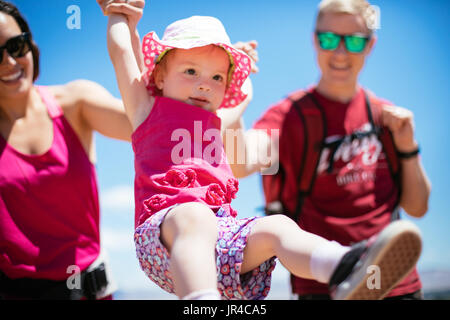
313 119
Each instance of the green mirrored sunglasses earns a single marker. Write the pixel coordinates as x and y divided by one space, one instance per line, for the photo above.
354 43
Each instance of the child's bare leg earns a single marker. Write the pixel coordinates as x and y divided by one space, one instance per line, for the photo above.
189 232
395 251
280 236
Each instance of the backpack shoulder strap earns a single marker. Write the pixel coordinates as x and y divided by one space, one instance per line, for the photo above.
273 184
312 115
313 118
374 111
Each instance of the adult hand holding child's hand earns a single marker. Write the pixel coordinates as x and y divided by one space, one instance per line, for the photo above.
249 47
132 9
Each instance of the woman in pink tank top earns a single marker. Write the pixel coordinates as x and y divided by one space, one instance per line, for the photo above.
49 208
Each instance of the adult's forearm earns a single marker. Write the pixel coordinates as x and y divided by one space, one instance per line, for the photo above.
249 151
234 144
416 187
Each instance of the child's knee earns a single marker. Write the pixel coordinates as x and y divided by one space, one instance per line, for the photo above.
282 221
189 218
276 226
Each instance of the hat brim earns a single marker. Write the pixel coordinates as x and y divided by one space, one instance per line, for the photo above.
155 49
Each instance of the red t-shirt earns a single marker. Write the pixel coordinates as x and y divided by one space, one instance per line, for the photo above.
353 201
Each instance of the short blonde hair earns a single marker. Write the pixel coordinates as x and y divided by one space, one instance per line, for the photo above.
356 7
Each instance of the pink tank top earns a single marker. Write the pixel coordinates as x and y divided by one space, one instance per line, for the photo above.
49 211
179 157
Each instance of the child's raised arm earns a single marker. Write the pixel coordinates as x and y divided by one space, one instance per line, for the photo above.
133 10
131 84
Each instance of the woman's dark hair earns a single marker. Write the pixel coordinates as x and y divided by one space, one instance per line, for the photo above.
11 10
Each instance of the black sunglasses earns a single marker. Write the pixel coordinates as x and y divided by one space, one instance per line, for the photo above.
17 46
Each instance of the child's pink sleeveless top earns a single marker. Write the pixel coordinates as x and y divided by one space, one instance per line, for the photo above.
179 157
49 211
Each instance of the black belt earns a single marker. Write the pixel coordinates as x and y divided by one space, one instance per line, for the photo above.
91 282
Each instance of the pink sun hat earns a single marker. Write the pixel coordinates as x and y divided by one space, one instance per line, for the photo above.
193 32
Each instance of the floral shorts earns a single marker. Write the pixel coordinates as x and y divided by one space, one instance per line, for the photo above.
154 258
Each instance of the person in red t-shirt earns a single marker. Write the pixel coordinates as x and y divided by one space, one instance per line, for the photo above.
354 195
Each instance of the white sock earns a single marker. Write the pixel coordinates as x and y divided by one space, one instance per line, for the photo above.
208 294
325 258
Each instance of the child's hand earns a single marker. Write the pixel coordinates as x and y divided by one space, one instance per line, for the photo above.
249 48
132 9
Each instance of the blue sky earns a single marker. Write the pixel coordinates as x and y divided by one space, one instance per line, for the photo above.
409 66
